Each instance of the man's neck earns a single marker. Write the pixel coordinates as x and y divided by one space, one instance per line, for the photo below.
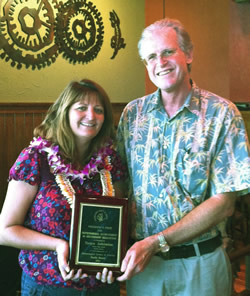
172 101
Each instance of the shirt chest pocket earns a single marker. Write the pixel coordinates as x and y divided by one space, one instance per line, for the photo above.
192 171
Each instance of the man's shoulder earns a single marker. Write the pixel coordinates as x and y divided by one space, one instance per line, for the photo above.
141 100
142 104
212 100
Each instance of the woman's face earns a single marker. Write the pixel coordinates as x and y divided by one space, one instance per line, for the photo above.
86 118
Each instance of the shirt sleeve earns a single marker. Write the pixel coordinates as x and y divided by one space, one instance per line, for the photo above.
120 139
27 167
231 164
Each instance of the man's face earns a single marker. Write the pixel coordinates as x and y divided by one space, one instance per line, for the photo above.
165 61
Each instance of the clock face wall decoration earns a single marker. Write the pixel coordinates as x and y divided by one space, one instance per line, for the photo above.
34 33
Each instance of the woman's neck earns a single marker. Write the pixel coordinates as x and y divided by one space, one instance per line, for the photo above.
82 151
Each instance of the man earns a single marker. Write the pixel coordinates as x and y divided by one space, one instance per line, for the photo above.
188 159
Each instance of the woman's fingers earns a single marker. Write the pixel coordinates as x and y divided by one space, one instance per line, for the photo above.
110 278
98 276
106 276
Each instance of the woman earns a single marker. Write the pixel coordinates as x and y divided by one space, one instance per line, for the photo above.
72 152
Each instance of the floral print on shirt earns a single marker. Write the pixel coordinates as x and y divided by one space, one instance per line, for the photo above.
176 163
50 214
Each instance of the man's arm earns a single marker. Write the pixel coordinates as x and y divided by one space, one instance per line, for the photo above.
198 221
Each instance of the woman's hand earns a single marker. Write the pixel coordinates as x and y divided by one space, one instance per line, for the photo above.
106 276
62 250
67 274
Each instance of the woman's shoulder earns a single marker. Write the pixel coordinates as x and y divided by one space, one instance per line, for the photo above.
27 166
29 154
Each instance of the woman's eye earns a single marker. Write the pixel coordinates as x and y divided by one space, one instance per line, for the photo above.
82 108
99 110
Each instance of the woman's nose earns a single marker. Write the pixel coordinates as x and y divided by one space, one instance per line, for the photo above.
90 113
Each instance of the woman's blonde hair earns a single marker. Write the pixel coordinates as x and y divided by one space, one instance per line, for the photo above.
56 128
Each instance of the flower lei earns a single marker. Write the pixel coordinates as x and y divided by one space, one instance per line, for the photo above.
99 163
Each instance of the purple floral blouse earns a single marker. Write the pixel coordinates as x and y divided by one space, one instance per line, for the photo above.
50 214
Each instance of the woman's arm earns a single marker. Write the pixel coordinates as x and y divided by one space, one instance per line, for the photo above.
19 198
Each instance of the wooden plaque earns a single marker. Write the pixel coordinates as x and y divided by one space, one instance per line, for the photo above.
98 236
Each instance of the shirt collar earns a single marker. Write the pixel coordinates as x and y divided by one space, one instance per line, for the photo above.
192 102
153 101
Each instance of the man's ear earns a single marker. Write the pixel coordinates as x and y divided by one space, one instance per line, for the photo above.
189 57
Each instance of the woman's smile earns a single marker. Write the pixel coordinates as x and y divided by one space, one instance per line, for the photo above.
86 118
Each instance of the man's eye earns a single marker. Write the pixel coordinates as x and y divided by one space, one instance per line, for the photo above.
168 52
151 57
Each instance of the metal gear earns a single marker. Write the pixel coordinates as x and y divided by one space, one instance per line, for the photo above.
79 31
27 33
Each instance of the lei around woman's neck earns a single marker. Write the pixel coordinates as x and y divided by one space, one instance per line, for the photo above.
58 165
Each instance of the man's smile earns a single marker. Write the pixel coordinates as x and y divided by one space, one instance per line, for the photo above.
165 72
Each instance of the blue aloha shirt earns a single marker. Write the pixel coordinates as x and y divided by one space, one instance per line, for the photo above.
176 163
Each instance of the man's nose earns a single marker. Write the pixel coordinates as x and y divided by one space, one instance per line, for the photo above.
161 59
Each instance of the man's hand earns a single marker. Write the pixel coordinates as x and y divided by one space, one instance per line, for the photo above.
138 257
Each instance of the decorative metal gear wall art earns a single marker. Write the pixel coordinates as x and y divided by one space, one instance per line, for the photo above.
117 42
79 31
26 35
34 32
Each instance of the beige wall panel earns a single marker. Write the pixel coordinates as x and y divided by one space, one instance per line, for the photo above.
240 52
208 24
122 77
